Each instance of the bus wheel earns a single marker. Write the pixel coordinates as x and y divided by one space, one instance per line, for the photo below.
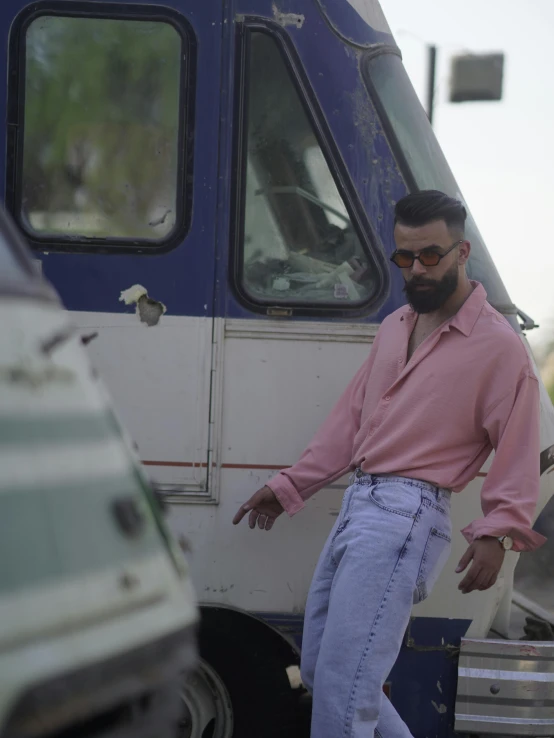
246 682
207 707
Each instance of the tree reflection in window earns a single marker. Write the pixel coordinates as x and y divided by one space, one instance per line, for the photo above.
101 127
299 242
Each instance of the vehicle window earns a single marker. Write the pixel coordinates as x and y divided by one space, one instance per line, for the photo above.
299 243
101 146
423 158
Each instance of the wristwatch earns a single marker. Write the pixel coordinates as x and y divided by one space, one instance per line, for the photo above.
506 542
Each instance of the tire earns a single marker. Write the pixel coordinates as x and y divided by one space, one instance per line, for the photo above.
251 659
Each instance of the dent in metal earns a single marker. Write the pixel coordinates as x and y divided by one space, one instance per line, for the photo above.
149 311
287 19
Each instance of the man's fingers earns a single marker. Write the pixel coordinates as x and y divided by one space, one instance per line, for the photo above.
466 584
262 519
269 523
464 561
484 582
480 582
243 509
253 517
490 582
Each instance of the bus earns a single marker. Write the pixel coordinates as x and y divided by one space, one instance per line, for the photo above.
210 187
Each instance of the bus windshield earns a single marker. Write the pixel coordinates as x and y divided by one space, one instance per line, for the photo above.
422 161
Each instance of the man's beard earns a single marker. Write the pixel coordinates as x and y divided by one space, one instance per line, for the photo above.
427 301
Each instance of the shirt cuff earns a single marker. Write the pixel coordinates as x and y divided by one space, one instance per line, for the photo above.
525 539
286 493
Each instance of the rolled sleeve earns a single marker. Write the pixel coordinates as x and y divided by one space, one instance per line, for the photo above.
286 493
511 490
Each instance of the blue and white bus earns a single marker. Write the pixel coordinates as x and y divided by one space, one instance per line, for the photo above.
210 186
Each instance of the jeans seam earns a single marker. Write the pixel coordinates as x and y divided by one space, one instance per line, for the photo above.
339 530
421 585
391 509
345 520
348 717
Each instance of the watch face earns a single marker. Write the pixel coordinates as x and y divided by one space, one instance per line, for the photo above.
508 543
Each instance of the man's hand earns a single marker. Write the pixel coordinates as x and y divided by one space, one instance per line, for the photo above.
487 555
264 509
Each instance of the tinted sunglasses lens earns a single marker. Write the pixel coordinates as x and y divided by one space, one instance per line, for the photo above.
403 260
429 258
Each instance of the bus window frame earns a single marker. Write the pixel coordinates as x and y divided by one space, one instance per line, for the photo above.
363 228
384 119
15 119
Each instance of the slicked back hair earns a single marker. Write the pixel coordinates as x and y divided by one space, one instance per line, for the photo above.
426 206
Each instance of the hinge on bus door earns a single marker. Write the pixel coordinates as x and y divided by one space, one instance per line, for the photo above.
527 324
279 312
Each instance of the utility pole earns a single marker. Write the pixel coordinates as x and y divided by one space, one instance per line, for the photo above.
432 72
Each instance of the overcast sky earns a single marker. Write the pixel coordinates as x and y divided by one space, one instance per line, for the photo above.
502 154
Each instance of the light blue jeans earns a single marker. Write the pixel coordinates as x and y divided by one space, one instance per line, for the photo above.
385 552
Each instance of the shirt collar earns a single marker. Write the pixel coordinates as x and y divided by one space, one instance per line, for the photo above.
467 315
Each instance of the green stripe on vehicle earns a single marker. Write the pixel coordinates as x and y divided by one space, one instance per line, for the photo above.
57 429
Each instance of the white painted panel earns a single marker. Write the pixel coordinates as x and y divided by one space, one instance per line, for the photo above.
271 571
255 570
159 378
277 392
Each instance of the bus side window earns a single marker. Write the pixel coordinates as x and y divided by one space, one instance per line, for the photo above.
299 244
102 130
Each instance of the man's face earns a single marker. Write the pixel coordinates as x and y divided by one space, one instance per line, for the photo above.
429 287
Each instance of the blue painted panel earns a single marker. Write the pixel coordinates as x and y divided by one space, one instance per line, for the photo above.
350 24
424 680
184 278
332 68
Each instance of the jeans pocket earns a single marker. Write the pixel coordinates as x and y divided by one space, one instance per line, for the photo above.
401 499
435 555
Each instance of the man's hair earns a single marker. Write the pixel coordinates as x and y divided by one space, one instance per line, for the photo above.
420 208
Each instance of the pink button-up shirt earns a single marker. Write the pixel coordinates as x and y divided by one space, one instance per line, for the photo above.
469 388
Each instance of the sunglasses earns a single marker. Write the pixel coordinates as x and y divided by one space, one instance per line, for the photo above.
429 257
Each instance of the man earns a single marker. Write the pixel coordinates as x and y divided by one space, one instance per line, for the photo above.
446 382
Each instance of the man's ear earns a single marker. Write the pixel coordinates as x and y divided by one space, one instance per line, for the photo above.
464 252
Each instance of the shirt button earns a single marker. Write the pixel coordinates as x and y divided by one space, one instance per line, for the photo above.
387 398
